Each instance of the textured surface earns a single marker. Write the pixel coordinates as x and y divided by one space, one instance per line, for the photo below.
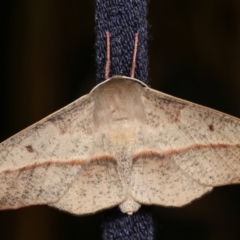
120 226
123 144
122 19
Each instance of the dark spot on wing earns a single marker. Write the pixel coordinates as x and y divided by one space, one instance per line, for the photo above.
29 148
211 127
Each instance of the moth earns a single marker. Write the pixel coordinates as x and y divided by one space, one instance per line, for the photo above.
122 144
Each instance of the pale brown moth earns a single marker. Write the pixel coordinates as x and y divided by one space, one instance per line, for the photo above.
122 144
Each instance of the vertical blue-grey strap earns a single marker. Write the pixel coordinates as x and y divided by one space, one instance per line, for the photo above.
120 226
122 19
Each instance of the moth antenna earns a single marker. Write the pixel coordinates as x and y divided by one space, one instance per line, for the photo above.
107 67
134 55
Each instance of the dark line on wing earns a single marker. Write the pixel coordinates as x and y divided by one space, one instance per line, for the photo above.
170 153
83 162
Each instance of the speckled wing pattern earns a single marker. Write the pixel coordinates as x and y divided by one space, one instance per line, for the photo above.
188 150
123 144
49 163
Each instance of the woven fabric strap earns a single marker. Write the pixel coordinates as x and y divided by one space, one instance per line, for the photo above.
119 226
122 19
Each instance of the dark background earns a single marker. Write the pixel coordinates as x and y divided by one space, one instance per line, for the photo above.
47 53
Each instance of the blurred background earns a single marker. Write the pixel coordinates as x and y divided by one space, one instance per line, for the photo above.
47 56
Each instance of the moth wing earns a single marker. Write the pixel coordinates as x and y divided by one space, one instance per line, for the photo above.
52 162
186 150
96 187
